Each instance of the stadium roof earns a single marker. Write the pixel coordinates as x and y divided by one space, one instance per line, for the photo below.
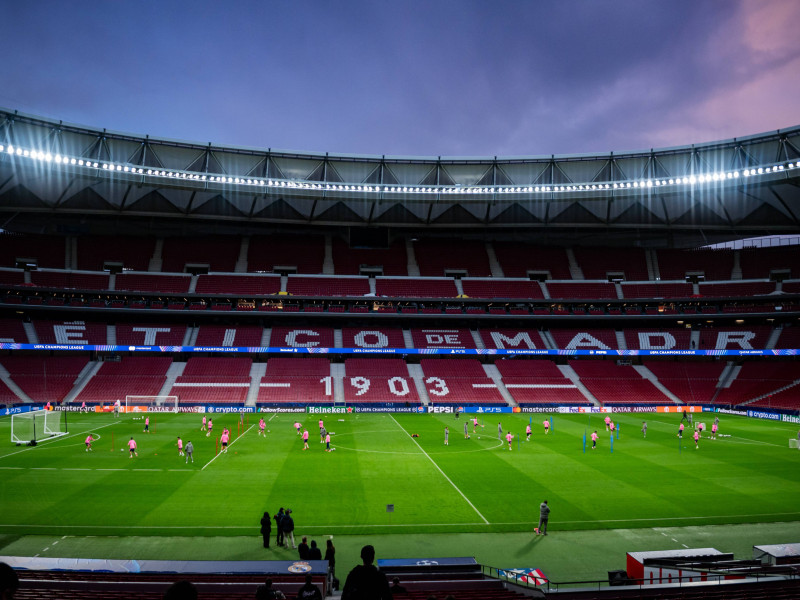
58 177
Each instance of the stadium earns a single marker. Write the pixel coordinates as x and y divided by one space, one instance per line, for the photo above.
394 299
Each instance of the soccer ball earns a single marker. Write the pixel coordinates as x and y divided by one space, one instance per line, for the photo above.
122 449
268 430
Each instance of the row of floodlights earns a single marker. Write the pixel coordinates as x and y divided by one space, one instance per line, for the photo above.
333 187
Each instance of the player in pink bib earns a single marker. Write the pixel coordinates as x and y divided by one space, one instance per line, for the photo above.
509 437
305 439
608 422
146 425
224 439
696 439
180 446
327 442
613 427
680 430
297 427
83 407
321 426
89 440
210 427
203 426
474 424
528 432
594 439
132 448
546 424
262 425
714 431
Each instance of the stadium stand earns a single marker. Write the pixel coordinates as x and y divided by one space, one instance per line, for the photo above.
659 290
131 376
658 338
70 332
12 277
220 379
711 264
692 382
223 335
512 338
143 282
436 258
302 337
737 290
761 263
270 253
44 379
442 338
460 381
150 334
612 384
217 252
590 291
378 380
502 288
734 338
759 380
538 382
415 288
372 337
519 259
46 252
296 380
69 280
391 261
12 331
588 339
245 285
131 253
327 286
629 264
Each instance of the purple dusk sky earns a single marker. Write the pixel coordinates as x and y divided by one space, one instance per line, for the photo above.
466 78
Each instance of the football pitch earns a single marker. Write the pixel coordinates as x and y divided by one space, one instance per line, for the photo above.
392 474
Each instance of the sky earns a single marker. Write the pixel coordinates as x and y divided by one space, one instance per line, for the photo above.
417 78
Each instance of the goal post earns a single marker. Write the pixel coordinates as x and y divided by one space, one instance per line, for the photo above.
37 425
153 403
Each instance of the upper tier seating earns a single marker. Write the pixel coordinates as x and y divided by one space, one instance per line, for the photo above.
735 338
222 335
378 380
12 277
737 290
658 338
442 338
756 379
132 376
301 337
12 331
298 285
518 339
245 285
131 252
69 280
219 252
298 367
302 252
611 383
713 264
47 251
459 380
593 291
415 288
502 288
150 334
519 259
297 380
435 257
788 399
791 287
758 263
789 337
692 382
584 339
538 382
44 379
372 337
348 261
668 289
219 379
71 332
6 395
599 263
145 282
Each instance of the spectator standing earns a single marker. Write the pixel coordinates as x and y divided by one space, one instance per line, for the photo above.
365 580
309 591
314 553
330 556
544 516
266 528
181 590
302 548
9 581
278 518
397 589
287 524
267 592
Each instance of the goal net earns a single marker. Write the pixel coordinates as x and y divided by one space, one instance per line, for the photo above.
37 425
153 403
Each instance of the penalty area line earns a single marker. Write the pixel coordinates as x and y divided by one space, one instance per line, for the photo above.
450 481
229 445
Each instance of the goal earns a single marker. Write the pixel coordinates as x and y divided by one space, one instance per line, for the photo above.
37 425
153 403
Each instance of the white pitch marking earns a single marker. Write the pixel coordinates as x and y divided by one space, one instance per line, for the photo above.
450 481
229 445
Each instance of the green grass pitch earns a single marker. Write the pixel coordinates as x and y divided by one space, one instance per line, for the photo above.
470 487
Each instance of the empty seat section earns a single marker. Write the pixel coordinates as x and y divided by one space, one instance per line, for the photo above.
791 287
245 285
712 264
143 282
71 332
446 338
12 331
72 280
218 252
538 382
435 257
132 376
757 379
789 337
459 380
519 260
759 263
378 380
600 263
517 339
131 252
44 379
611 383
372 337
301 337
692 382
658 338
729 338
229 335
348 261
296 380
415 288
298 285
659 290
12 277
788 399
584 339
7 396
206 379
737 290
502 288
305 253
593 290
150 334
46 251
